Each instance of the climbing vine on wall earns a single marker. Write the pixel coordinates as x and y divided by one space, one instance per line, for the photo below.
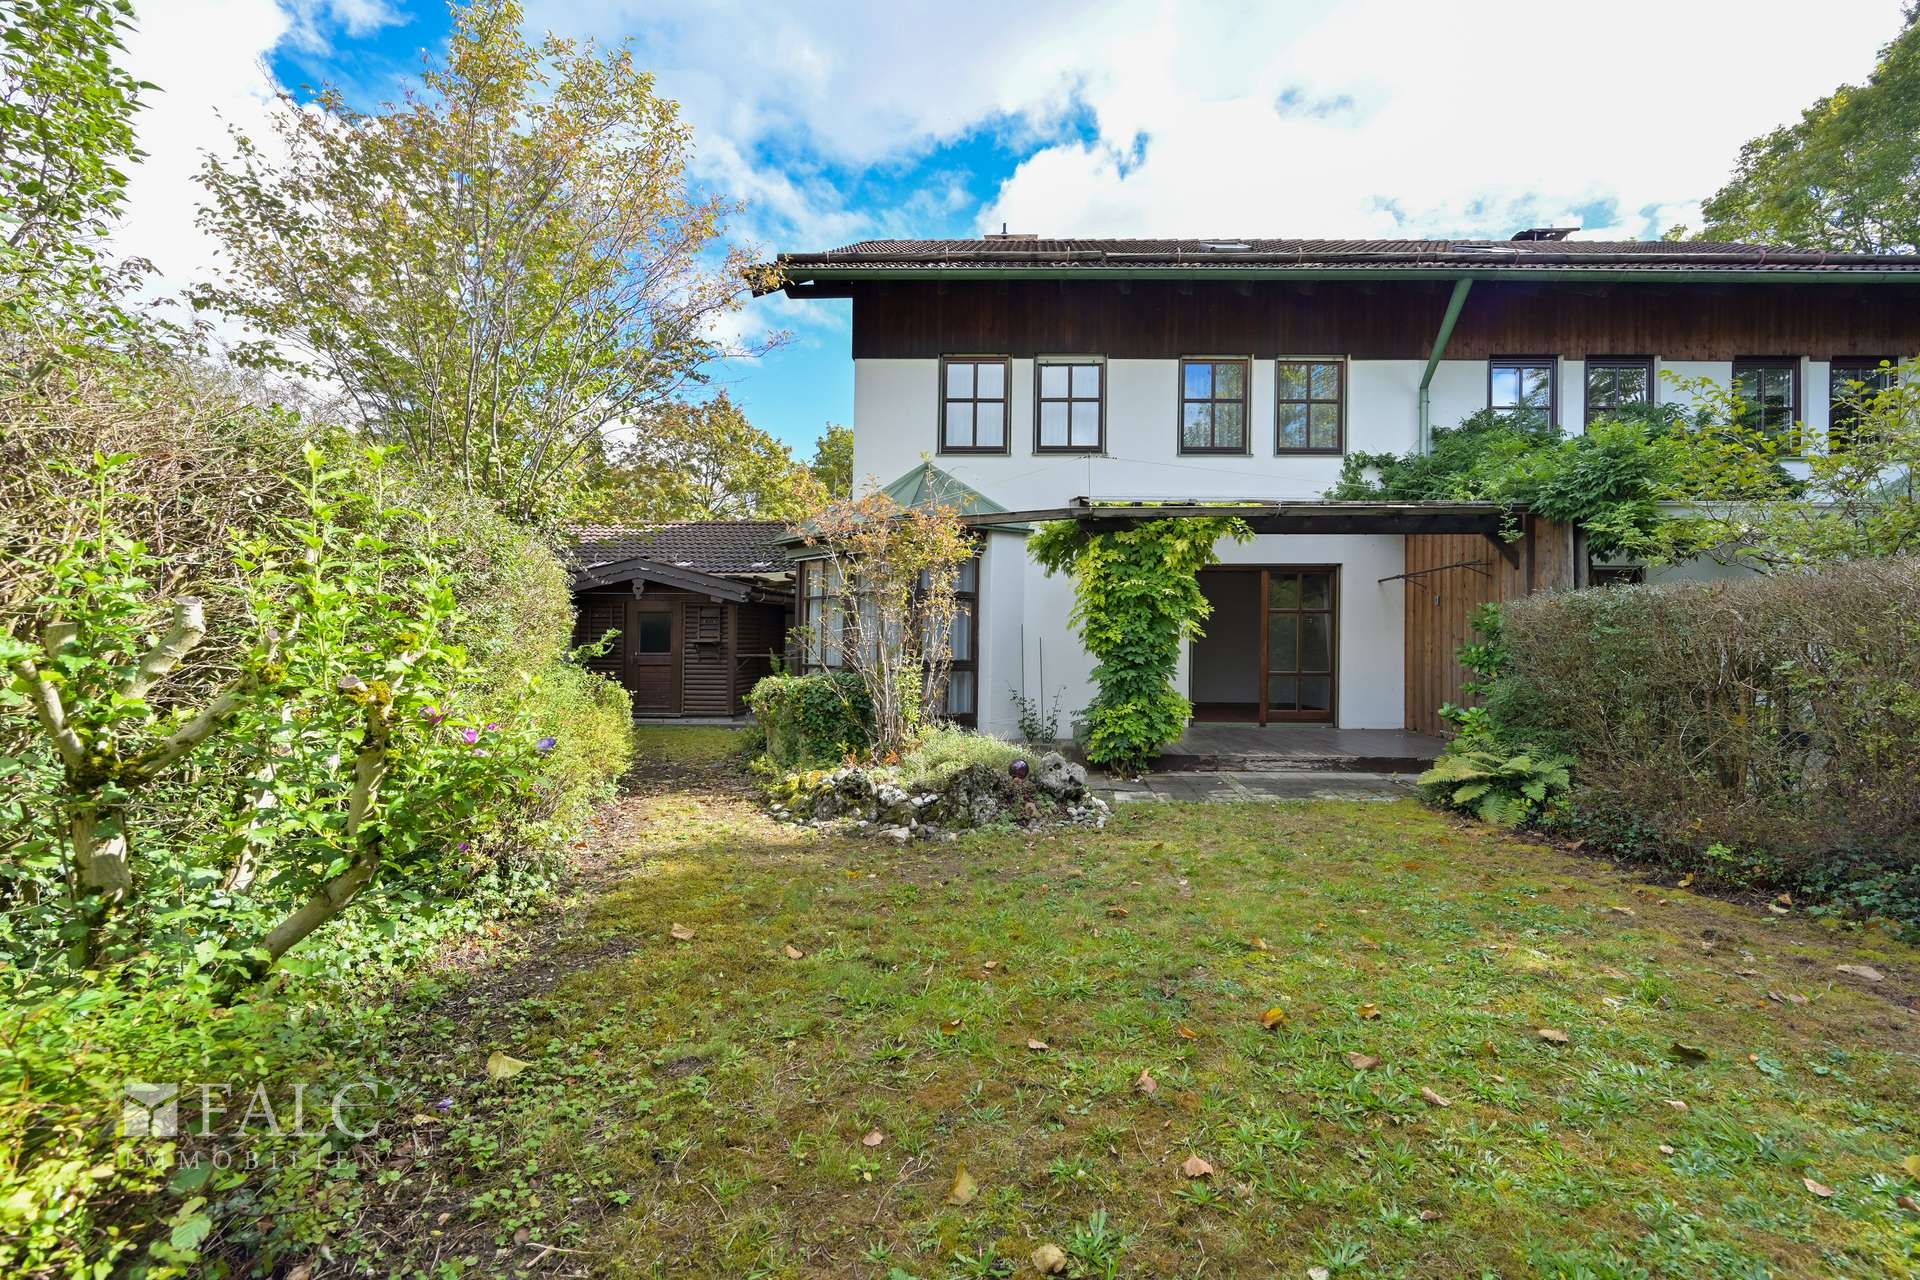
1136 598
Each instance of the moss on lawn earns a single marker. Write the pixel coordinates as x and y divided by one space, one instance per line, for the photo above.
698 1107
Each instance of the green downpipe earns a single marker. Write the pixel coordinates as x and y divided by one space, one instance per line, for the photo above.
1440 340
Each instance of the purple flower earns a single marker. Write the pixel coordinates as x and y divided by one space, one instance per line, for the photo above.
546 744
470 735
492 727
465 845
433 715
445 1104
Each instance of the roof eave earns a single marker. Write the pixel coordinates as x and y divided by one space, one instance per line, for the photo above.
804 281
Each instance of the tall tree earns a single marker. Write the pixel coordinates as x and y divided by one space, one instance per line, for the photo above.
66 128
1845 176
832 463
701 461
496 268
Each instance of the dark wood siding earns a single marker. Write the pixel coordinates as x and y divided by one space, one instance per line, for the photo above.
1443 591
706 671
593 617
1378 320
761 634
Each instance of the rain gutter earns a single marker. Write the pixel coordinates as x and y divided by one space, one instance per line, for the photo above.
1459 299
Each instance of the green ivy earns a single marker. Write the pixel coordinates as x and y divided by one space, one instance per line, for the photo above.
814 719
1137 598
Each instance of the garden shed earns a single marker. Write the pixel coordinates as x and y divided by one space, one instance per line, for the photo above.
700 610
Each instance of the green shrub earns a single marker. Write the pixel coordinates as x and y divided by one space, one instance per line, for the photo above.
1136 601
1496 787
946 751
813 719
1766 731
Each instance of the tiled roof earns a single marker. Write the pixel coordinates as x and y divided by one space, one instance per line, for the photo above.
710 546
1226 254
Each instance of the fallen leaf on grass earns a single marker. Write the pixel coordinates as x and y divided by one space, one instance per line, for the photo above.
1665 1150
1273 1017
1621 911
989 965
964 1187
1686 881
680 933
1318 1273
1429 1215
1554 1035
873 1139
1786 997
1689 1052
1049 1259
1195 1167
951 1025
1147 1084
794 953
1912 1165
502 1067
1369 1011
1260 944
1187 1033
1117 913
1362 1061
1038 1046
1866 971
1818 1188
1676 1104
1777 909
1434 1099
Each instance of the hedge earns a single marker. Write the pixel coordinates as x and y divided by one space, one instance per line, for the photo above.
1769 726
814 719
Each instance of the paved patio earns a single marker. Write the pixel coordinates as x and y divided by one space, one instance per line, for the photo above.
1297 748
1235 786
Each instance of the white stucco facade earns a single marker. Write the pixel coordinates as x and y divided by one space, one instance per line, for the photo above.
1027 645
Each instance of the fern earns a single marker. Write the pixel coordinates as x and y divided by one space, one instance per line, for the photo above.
1507 790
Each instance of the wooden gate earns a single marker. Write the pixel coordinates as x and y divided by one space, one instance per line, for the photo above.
1448 576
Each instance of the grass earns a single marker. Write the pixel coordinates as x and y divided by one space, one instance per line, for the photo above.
700 1106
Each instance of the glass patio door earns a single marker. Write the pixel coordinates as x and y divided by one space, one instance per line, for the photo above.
1297 680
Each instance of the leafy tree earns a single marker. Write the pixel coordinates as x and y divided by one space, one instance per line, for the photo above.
496 269
701 461
66 128
1845 176
832 463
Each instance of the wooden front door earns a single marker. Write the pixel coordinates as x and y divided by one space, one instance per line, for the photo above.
653 657
1299 642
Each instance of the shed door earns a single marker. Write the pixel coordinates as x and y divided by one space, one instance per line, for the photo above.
653 658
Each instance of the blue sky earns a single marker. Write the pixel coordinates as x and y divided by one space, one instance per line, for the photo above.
842 119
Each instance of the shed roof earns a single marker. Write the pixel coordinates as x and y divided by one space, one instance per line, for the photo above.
721 547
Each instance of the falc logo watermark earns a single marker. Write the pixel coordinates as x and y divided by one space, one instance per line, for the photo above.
223 1110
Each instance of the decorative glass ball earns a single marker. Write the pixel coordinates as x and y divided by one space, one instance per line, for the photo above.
1018 768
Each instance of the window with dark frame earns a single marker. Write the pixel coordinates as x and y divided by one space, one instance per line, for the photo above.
1521 385
973 405
819 616
1769 391
1310 411
1213 406
1069 400
961 700
1617 383
1300 644
1851 382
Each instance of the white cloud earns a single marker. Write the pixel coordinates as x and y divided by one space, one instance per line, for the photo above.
206 56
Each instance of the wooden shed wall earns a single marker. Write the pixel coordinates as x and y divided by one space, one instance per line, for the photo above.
1443 590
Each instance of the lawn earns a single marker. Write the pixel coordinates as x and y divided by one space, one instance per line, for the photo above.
759 1051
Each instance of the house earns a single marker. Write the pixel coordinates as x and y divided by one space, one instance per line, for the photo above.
700 609
1102 380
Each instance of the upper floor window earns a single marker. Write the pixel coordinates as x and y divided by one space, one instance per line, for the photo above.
1518 385
1308 415
1070 406
1851 385
973 405
1213 406
1614 384
1769 391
